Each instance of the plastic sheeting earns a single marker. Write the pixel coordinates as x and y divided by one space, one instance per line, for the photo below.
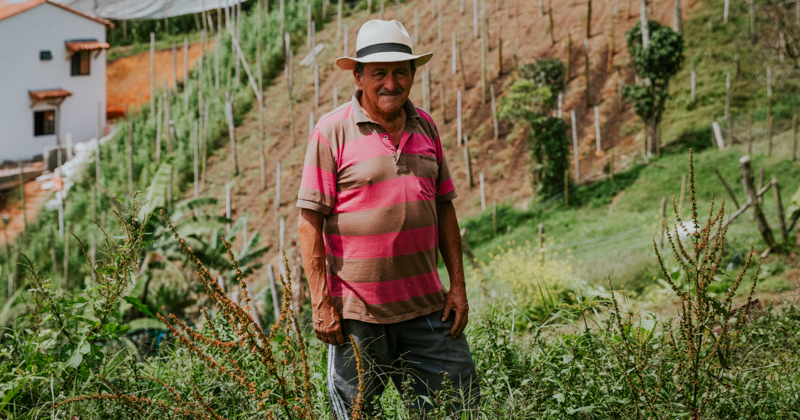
144 9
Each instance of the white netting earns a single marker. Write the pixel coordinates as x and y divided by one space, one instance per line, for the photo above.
144 9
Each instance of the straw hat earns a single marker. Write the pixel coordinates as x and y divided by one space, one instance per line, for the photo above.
381 41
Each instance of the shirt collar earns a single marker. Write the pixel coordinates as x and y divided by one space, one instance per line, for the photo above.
361 117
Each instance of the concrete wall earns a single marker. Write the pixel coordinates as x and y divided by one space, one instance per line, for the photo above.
22 36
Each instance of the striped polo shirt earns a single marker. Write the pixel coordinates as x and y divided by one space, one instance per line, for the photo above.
381 237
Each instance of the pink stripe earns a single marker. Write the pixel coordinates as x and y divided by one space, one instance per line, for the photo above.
375 293
361 149
335 116
420 144
424 114
383 245
319 179
316 135
404 189
445 187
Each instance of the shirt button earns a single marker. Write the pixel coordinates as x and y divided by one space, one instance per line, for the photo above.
385 137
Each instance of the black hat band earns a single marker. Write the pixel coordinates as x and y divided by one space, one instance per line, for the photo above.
385 47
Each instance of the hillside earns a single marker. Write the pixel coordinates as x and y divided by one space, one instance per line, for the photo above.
503 161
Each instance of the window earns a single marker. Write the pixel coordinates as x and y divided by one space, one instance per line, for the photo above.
44 122
45 55
80 63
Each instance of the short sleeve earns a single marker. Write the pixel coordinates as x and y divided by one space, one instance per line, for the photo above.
318 186
445 188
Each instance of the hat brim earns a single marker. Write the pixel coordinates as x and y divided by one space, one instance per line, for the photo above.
349 63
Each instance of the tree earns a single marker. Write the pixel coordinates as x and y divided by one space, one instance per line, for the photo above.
655 66
531 100
780 30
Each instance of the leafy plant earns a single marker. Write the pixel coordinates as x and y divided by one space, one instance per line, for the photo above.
655 66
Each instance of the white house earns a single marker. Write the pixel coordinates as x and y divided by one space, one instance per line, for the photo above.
52 76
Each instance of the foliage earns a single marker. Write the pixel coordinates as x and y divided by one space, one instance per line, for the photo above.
546 72
531 100
536 280
655 66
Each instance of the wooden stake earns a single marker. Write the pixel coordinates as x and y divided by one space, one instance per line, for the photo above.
566 188
130 154
484 47
483 192
231 131
662 219
454 54
694 82
499 51
99 136
196 158
174 67
550 20
262 167
749 132
776 193
710 40
186 74
760 183
458 117
467 163
587 72
750 192
677 24
569 57
169 193
443 101
794 137
335 96
53 255
575 151
158 127
728 100
475 19
769 136
589 19
152 71
738 63
65 283
683 194
599 150
494 115
725 12
23 197
277 186
540 237
383 10
273 287
228 207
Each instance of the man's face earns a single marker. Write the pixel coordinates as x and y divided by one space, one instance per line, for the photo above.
386 86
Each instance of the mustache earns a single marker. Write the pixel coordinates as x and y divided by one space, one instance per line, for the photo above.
384 91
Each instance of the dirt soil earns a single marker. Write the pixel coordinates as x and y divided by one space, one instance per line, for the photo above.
35 200
128 78
503 161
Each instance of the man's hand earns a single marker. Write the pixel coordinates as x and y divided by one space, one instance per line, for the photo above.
327 325
456 302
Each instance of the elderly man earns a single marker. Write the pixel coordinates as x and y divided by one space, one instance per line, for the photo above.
376 209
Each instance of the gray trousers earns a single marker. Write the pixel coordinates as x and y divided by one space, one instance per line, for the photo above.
420 348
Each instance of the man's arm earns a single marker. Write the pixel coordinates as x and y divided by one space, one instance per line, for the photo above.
327 322
450 246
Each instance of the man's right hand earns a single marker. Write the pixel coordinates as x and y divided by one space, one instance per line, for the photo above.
327 323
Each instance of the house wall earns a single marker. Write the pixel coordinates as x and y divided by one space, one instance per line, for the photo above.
46 27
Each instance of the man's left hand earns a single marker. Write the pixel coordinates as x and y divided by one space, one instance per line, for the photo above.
457 303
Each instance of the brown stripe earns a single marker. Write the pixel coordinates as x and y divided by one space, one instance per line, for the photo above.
394 218
341 132
383 168
308 194
320 155
384 269
389 313
444 171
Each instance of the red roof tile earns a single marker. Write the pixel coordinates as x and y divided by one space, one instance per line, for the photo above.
43 95
8 9
76 46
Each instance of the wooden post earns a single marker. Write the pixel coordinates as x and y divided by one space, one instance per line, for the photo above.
769 136
383 10
339 19
694 82
540 237
53 255
752 199
599 150
277 187
560 105
467 163
541 8
589 19
345 41
727 187
794 136
475 19
168 120
217 46
611 39
282 233
174 67
231 131
587 71
99 136
753 22
310 123
483 191
760 183
683 194
749 132
738 63
196 158
93 256
262 166
645 25
468 250
494 218
454 54
186 74
443 101
569 56
273 287
725 12
169 194
550 21
575 151
776 193
484 47
205 140
499 51
494 114
65 282
463 69
152 71
458 117
130 154
60 216
228 207
662 219
289 82
677 24
23 197
566 188
316 64
260 97
415 39
728 102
